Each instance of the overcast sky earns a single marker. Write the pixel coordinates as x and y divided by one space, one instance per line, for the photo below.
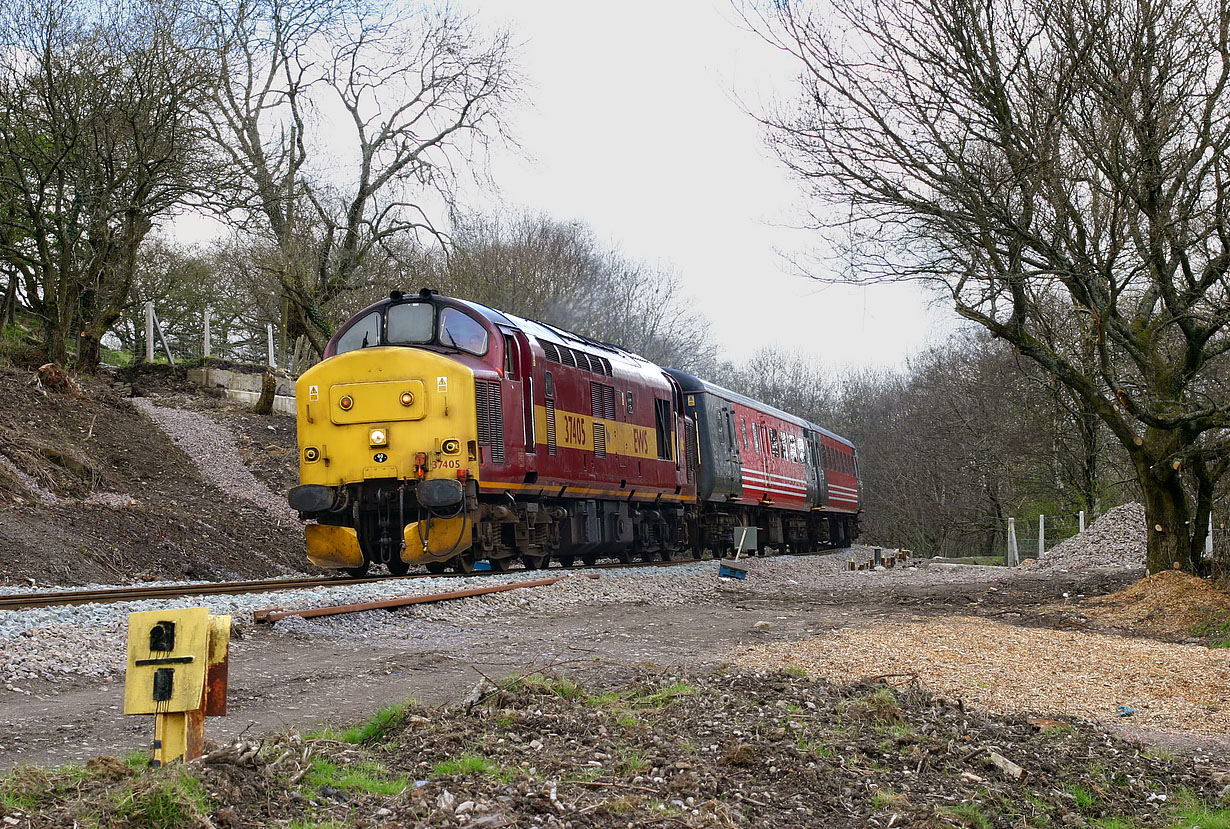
637 126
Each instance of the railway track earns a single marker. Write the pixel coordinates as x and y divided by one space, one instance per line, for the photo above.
26 601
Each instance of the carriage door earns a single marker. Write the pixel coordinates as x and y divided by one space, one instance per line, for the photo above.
517 363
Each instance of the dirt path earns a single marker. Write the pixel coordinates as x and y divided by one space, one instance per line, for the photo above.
282 682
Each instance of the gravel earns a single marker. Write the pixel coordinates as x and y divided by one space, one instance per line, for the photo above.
88 640
211 446
1118 538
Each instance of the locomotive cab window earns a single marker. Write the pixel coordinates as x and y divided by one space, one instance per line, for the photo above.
460 330
411 322
363 334
510 358
661 421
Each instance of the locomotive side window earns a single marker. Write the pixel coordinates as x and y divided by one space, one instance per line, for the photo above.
411 322
363 334
662 421
510 359
460 330
629 398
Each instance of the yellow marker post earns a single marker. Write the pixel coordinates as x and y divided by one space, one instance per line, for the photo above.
177 671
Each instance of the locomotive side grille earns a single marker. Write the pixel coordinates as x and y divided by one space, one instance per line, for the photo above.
550 427
606 366
567 357
551 352
481 406
608 401
595 399
490 410
690 449
599 440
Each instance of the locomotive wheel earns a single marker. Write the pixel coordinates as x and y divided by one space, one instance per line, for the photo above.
357 572
590 559
624 556
534 562
463 563
668 554
435 567
565 561
649 555
500 565
397 567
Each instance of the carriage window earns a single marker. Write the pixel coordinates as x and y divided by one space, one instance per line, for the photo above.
743 423
411 322
777 452
363 334
756 436
460 330
794 452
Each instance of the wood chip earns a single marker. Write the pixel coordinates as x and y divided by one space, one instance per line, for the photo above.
1009 669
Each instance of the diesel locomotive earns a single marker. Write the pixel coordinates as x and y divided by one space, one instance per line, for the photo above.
440 432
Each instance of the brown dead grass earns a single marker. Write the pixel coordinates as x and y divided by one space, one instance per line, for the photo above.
1009 669
1170 602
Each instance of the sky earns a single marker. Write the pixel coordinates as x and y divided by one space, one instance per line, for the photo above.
637 124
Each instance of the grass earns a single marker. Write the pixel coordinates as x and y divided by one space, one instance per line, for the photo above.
470 763
887 799
632 762
816 748
1198 816
1086 801
969 815
166 800
378 725
368 776
627 707
1216 628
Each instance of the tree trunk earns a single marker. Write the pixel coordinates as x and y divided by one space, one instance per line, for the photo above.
89 352
1168 524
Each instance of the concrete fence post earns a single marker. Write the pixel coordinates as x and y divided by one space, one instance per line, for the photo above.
272 360
1081 521
1041 535
206 352
1208 539
1013 558
149 331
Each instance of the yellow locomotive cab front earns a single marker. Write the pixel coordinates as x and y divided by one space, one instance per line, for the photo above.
388 458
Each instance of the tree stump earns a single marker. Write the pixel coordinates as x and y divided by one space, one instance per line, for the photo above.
264 405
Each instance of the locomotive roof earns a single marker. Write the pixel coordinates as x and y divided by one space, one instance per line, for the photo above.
545 332
692 383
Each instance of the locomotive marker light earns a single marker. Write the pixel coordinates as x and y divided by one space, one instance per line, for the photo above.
177 671
311 454
407 398
347 403
451 446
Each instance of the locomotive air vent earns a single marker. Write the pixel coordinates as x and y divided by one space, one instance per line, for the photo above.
490 414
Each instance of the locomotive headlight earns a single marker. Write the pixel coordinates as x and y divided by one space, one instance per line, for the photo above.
451 446
407 399
379 437
347 403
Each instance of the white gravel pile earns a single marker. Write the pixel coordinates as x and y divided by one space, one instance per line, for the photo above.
211 446
1117 539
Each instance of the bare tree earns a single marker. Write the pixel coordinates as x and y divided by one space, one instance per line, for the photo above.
99 135
557 272
348 125
1062 171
